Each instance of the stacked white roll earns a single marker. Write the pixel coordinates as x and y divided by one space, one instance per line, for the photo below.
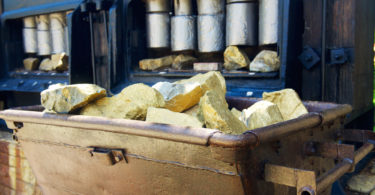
183 26
211 25
43 35
29 35
268 21
58 24
158 23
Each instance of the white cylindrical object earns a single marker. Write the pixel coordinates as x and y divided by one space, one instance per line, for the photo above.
158 30
211 7
43 35
29 35
183 8
183 33
211 33
58 24
268 21
157 6
241 25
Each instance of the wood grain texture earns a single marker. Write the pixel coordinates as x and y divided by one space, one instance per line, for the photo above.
16 176
311 79
350 25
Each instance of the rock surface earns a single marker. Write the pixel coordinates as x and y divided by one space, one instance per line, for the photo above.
288 101
209 81
179 97
157 63
236 113
165 116
58 62
207 66
261 114
193 111
265 61
183 62
131 103
362 183
67 98
214 110
235 58
31 63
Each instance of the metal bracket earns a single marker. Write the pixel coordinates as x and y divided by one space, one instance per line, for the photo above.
303 180
329 150
309 57
338 56
107 156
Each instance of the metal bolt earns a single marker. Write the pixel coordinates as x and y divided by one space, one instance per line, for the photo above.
338 57
308 58
118 158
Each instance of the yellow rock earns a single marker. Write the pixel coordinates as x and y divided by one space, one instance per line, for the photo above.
193 111
216 115
58 62
288 101
153 64
31 63
131 103
183 62
165 116
265 61
235 58
67 98
362 183
179 97
261 114
45 65
236 113
209 81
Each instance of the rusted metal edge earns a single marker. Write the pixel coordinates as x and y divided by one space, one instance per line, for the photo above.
258 136
199 136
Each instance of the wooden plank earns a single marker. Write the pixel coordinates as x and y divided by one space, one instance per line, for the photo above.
20 187
364 40
350 24
311 79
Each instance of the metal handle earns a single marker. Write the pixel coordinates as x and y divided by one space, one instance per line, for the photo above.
107 156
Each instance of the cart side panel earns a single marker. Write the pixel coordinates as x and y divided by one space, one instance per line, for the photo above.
73 170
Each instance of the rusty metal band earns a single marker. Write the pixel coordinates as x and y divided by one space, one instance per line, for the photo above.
256 137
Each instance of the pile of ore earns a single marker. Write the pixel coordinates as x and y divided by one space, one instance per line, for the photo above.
57 62
196 102
234 59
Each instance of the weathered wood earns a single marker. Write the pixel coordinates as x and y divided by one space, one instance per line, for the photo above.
311 79
350 25
16 176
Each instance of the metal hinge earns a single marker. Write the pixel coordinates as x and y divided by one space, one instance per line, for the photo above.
309 57
340 56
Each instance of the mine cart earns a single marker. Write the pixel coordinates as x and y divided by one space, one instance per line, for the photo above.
324 48
73 154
